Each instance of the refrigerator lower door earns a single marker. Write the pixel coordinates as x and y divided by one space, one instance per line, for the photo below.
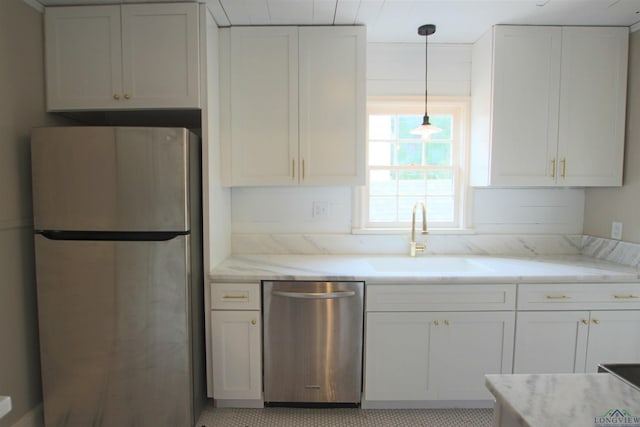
114 337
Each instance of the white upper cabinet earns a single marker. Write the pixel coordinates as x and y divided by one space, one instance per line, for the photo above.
293 105
122 57
548 106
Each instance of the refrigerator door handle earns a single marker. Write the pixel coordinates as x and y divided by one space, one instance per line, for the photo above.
115 236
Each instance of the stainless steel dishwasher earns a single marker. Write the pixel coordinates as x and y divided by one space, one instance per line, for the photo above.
312 342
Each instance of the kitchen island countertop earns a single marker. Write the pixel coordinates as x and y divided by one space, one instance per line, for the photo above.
422 269
563 400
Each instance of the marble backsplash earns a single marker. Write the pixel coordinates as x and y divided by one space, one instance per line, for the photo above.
438 244
617 251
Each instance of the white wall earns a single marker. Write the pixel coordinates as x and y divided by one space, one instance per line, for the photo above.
398 69
604 205
21 107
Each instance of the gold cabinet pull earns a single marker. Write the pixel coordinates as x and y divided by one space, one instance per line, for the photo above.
596 321
553 168
126 96
235 297
630 296
446 322
564 167
253 321
556 297
116 96
585 321
435 322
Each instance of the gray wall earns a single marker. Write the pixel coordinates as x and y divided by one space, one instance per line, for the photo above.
21 107
604 205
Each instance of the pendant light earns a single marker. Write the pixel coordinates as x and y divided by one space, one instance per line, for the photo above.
426 129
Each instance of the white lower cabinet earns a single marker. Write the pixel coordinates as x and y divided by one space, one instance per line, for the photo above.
413 356
577 327
236 344
436 356
575 341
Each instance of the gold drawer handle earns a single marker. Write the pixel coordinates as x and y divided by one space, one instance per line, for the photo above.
235 297
585 321
630 296
253 321
435 322
596 321
558 297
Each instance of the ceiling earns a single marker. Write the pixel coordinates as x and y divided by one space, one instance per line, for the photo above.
394 21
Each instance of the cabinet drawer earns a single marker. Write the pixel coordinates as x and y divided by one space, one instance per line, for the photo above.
440 297
583 296
235 296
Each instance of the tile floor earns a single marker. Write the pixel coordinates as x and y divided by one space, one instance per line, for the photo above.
303 417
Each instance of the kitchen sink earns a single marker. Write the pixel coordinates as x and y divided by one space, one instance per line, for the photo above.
427 265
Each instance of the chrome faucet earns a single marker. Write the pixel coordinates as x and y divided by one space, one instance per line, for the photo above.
413 246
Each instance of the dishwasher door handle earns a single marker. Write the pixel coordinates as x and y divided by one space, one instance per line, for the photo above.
314 295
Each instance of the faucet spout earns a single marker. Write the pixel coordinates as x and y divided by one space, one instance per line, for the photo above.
413 245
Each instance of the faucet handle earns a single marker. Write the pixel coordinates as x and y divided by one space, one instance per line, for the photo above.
416 247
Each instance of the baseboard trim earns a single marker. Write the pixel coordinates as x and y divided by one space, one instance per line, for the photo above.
426 404
33 418
238 403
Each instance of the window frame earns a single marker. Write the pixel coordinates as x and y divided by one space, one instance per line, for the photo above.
459 107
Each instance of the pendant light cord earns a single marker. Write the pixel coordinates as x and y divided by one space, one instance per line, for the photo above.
426 70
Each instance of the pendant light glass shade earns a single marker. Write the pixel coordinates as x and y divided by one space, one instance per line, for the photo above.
426 129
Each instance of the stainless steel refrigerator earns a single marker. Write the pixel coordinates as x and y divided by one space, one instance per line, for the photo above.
119 275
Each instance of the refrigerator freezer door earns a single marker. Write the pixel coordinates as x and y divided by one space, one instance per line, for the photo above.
114 337
110 178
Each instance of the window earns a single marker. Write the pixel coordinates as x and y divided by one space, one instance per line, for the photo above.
403 169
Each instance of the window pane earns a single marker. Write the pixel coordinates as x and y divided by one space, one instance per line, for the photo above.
382 209
409 153
405 208
444 122
380 153
412 183
440 183
438 154
381 127
406 123
382 182
440 209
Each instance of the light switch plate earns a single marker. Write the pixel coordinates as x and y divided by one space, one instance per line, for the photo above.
616 230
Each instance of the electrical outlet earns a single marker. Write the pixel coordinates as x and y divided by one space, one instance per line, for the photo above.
320 210
616 230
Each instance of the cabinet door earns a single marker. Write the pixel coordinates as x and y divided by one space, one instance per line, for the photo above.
526 78
332 105
263 74
160 56
592 106
237 354
396 356
551 342
467 346
613 338
83 57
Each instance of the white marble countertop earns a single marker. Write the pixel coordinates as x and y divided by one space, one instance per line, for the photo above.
422 269
5 405
564 400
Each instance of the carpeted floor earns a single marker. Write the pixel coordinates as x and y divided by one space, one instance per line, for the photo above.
294 417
